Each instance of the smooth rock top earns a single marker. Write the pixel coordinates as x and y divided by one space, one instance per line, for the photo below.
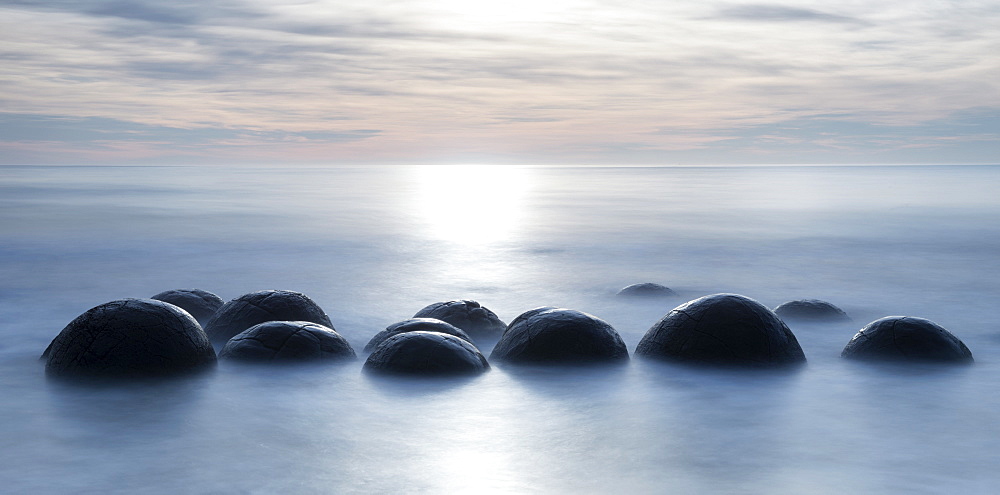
906 338
810 310
557 335
262 306
130 337
414 325
202 304
647 289
287 341
722 329
426 353
476 320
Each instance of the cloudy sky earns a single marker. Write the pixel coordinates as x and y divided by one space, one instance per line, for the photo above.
518 81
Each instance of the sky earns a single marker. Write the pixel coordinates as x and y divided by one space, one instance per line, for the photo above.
604 82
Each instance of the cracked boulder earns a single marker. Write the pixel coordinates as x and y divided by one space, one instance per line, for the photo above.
810 310
906 338
558 335
426 353
287 341
129 337
414 325
202 304
476 320
722 329
647 289
259 307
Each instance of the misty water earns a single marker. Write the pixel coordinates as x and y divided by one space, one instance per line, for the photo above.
374 245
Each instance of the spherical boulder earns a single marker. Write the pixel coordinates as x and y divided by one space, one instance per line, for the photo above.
202 304
810 310
476 320
558 335
130 338
287 341
906 338
426 353
414 325
722 329
647 289
262 306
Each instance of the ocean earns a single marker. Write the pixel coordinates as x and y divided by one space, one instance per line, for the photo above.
373 245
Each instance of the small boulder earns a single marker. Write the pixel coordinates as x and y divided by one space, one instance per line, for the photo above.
426 353
810 310
262 306
722 329
557 335
414 325
906 338
202 304
130 338
647 289
287 341
476 320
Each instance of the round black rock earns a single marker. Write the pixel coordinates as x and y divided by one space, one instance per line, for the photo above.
130 338
647 289
415 325
426 353
202 304
287 341
476 320
810 310
259 307
906 338
557 335
722 329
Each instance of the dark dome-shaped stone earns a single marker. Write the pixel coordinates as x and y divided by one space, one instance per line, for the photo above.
810 310
426 353
557 335
905 338
647 289
202 304
130 337
262 306
415 325
470 316
287 341
723 329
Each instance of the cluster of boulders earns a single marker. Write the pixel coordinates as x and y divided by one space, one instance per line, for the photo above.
174 332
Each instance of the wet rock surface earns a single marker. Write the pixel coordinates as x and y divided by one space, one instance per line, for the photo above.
426 353
722 329
647 289
202 304
810 310
259 307
415 325
129 337
277 341
557 335
476 320
906 338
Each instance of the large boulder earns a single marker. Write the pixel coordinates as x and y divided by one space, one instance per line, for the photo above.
906 338
810 310
557 335
426 353
415 325
127 338
476 320
287 341
647 290
722 329
262 306
202 304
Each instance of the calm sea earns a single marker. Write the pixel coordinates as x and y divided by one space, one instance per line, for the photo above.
374 245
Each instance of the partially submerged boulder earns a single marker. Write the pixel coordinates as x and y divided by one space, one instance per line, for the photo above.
557 335
813 310
906 338
722 329
262 306
476 320
130 338
414 325
426 353
202 304
647 289
287 341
